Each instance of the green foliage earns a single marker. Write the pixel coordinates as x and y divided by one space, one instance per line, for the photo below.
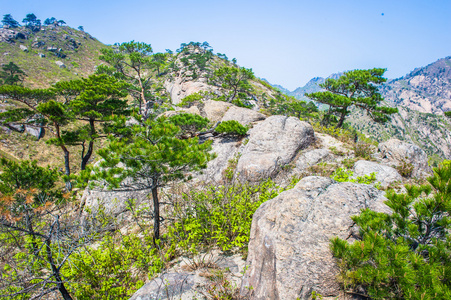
231 127
195 57
354 88
151 155
342 134
9 21
133 63
32 22
189 123
363 150
218 215
285 105
403 254
234 82
25 175
188 100
345 175
50 21
104 272
405 168
11 74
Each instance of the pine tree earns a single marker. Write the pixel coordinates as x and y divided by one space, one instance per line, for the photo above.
404 254
357 88
149 157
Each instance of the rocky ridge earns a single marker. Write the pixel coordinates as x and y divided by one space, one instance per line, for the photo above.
289 253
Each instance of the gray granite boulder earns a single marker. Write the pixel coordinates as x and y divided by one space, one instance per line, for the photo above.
226 149
311 158
166 286
384 174
395 152
289 255
272 144
243 115
215 110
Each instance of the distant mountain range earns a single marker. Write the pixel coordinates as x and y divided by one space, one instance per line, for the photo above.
425 89
421 97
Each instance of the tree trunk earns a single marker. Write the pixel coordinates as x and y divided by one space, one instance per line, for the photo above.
342 118
56 273
67 167
85 158
156 212
66 157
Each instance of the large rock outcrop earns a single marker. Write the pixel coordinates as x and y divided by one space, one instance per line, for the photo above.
289 254
242 115
272 144
226 149
179 88
215 110
396 152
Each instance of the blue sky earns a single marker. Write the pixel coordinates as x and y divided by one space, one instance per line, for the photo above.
286 42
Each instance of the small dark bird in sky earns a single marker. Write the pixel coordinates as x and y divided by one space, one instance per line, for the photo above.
382 14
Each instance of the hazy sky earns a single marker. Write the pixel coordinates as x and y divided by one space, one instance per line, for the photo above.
286 42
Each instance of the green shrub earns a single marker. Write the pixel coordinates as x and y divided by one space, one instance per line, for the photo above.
218 216
232 127
404 254
345 175
105 271
189 122
405 168
188 100
363 150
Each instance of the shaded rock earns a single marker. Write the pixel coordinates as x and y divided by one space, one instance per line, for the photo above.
242 115
184 282
21 36
37 132
384 174
226 148
311 158
113 201
289 254
60 64
41 55
272 144
179 88
37 44
18 128
6 35
215 110
23 48
166 286
116 201
52 49
396 152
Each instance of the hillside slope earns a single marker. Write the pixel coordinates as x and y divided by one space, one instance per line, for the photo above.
426 89
37 53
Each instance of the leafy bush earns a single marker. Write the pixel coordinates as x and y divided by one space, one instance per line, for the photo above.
345 175
188 100
231 127
363 150
104 272
189 122
218 216
406 253
405 168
